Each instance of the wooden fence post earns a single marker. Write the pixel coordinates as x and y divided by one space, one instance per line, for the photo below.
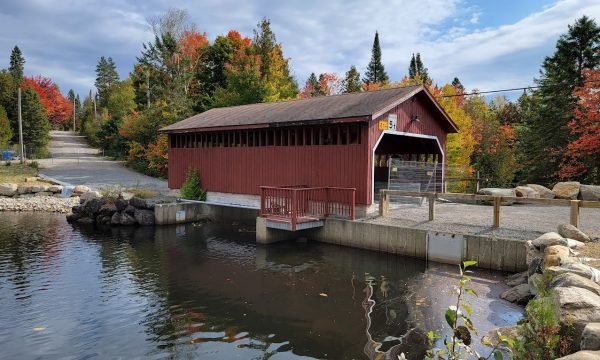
575 213
384 205
497 202
431 206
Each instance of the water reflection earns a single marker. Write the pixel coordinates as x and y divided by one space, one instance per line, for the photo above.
198 291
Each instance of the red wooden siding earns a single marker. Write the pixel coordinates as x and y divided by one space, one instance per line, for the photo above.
242 170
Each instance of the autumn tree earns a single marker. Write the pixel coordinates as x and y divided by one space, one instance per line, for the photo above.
58 108
5 129
375 73
582 160
351 82
106 76
545 133
416 69
17 65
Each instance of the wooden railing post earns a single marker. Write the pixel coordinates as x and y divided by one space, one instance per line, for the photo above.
575 213
353 208
431 206
294 209
262 201
326 202
497 202
384 204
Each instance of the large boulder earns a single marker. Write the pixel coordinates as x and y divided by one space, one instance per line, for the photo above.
55 188
39 188
151 203
89 195
138 202
7 189
549 239
121 204
24 189
107 209
566 190
144 217
129 210
590 337
72 217
127 219
574 280
575 245
499 192
589 192
571 232
526 192
583 270
92 207
576 304
532 252
582 355
543 191
517 279
80 189
519 294
553 255
115 219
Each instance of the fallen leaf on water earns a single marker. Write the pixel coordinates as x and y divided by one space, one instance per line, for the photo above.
323 295
39 328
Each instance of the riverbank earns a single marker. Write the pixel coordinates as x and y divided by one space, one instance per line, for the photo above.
39 203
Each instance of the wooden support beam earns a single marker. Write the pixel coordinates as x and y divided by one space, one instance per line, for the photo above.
431 200
497 202
384 204
575 213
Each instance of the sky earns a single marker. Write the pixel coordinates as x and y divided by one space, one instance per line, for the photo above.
488 45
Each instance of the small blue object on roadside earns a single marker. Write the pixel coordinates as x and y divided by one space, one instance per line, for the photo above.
7 155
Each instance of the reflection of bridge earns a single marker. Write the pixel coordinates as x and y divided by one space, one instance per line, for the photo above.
302 207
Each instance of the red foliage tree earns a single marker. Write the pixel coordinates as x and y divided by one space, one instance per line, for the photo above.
58 108
583 152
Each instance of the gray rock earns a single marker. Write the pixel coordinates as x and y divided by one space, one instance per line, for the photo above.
72 217
536 266
85 220
574 244
526 192
519 294
571 232
543 191
76 209
127 219
103 219
24 189
138 202
151 203
89 195
115 219
44 193
108 209
121 204
39 188
566 190
517 279
130 210
589 192
499 192
7 189
582 355
55 188
574 280
590 337
575 304
80 189
532 252
580 269
144 217
549 239
92 207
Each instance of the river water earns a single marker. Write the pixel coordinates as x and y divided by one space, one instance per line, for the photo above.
208 291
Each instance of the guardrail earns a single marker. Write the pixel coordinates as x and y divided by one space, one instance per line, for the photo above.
574 205
294 204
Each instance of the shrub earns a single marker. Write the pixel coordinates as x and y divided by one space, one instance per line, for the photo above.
34 165
111 193
8 163
192 188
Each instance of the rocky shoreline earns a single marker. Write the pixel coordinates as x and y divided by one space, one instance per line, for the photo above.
574 285
37 194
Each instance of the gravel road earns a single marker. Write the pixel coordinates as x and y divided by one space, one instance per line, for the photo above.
519 221
73 161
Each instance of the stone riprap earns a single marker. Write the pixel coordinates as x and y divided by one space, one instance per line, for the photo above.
124 210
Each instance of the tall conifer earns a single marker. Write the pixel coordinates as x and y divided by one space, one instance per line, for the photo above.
375 73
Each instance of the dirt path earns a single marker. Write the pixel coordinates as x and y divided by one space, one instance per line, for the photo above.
74 161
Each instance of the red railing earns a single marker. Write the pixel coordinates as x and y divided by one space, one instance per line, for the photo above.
302 204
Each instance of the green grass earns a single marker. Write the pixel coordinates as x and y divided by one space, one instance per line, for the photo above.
16 172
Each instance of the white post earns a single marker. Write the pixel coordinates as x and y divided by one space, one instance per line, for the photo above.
21 129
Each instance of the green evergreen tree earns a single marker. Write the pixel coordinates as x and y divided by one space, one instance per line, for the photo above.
8 98
17 65
36 127
352 81
458 85
544 133
264 43
5 129
211 72
375 70
106 76
192 187
416 68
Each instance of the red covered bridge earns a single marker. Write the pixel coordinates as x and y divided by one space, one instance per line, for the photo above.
336 142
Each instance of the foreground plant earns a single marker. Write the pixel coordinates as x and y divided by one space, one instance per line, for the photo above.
458 318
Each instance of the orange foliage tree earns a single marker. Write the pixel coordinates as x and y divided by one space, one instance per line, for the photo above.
58 108
583 151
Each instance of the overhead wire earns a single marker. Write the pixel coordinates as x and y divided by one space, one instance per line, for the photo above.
517 89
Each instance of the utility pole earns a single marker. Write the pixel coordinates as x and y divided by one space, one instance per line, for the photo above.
21 129
74 108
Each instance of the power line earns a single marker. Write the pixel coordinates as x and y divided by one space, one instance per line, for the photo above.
517 89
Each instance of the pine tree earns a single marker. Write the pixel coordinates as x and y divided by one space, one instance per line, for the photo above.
375 70
106 76
416 70
546 135
5 129
421 69
264 43
458 85
35 122
17 63
352 81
